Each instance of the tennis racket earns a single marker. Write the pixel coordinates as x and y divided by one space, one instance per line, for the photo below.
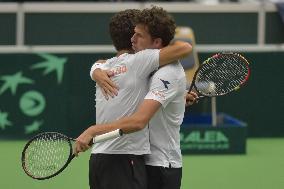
220 74
48 154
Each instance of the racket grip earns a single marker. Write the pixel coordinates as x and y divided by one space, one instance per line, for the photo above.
200 97
107 136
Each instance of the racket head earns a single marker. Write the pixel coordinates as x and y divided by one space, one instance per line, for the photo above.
221 74
46 155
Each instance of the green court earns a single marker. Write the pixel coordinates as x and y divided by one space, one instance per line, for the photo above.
261 168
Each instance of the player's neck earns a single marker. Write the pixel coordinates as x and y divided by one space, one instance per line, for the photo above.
122 52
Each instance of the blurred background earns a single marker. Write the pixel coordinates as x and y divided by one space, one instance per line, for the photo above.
48 47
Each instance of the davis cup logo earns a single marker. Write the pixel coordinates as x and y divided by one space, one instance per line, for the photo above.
21 90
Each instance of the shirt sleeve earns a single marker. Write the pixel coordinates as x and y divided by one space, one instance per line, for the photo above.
96 65
163 88
146 61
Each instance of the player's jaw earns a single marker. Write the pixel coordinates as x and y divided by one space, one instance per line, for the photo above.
140 44
134 47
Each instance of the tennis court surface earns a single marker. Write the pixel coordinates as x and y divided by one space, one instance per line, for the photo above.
261 168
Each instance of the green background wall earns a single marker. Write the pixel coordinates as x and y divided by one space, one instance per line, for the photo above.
67 28
92 28
7 29
70 105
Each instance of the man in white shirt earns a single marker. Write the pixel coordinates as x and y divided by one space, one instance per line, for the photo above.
118 163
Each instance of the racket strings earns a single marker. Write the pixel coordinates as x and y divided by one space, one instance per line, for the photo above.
221 74
46 155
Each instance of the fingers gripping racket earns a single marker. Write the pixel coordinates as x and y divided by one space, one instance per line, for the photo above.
220 74
49 153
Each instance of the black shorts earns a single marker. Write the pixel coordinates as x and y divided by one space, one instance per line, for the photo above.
117 171
163 178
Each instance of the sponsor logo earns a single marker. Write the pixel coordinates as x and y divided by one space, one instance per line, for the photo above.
159 94
208 140
166 83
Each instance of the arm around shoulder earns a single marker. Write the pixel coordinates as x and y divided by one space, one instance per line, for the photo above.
173 52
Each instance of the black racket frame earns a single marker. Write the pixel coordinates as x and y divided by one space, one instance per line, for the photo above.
71 155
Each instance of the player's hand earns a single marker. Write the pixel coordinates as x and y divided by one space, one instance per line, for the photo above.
191 98
108 87
82 143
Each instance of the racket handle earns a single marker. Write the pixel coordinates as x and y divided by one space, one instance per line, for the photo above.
200 97
110 135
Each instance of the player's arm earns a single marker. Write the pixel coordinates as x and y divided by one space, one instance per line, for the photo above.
133 123
137 121
169 54
158 95
173 52
102 77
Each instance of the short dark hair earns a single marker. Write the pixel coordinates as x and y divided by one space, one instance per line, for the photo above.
121 28
160 23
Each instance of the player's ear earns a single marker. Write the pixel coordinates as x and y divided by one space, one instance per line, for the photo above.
158 43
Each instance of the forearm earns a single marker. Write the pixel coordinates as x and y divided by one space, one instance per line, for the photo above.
173 52
126 124
133 123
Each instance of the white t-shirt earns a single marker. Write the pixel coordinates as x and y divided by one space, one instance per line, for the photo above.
167 86
131 75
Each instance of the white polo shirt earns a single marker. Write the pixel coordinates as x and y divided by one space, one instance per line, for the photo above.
131 75
167 86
